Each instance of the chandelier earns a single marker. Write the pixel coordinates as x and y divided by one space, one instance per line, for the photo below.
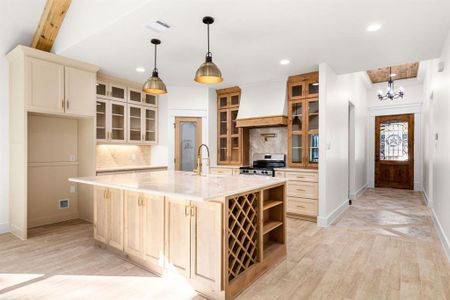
391 94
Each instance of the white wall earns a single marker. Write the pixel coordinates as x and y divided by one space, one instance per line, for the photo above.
336 91
437 142
160 153
413 93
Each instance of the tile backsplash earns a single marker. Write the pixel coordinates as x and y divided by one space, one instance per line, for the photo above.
268 140
122 155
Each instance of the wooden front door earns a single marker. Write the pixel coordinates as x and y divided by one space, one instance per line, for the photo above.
394 151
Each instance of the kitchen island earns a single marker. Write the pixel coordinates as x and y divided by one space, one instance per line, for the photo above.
220 233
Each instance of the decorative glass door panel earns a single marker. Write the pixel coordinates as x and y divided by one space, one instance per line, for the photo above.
135 124
101 89
150 99
150 125
188 146
101 121
117 122
394 140
134 96
297 149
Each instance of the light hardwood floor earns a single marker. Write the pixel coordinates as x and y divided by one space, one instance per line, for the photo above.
369 254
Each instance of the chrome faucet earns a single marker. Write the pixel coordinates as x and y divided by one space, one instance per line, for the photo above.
200 159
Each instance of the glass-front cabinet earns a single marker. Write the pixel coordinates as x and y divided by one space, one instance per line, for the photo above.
303 121
111 121
136 96
142 125
112 91
232 142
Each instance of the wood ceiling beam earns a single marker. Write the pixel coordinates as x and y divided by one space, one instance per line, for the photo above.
403 72
50 23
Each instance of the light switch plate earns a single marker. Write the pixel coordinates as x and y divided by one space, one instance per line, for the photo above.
133 156
72 157
72 189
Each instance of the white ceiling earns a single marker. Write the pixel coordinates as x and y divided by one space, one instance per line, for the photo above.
250 37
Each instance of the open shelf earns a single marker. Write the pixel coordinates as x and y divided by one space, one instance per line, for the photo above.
271 203
271 225
270 246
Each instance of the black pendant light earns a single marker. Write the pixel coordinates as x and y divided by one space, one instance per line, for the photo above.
391 93
208 71
154 85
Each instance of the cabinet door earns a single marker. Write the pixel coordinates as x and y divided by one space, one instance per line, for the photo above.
223 137
79 92
115 214
102 125
312 88
135 132
133 224
235 140
117 92
296 90
117 117
206 245
46 85
101 89
178 236
312 139
154 230
135 96
150 121
150 100
296 127
234 100
100 215
223 102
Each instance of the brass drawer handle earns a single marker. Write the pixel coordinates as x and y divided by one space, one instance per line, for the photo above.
301 190
301 206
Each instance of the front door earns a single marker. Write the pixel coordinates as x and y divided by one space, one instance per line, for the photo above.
394 151
188 137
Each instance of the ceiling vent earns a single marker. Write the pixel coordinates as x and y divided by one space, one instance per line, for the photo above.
157 26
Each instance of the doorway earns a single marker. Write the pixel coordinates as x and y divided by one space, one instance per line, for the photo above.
394 151
188 137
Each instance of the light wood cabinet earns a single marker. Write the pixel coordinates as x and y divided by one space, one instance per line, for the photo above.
134 224
142 124
303 121
232 142
79 87
108 217
111 91
154 217
136 96
111 121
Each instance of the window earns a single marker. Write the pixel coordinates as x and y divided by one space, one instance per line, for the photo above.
394 140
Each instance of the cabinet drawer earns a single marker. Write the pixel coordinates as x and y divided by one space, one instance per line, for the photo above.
221 171
301 176
302 189
302 206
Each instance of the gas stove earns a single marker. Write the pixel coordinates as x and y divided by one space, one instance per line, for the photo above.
264 164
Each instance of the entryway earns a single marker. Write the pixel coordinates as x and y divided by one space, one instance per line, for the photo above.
188 137
394 151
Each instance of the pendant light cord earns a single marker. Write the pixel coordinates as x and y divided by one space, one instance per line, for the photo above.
209 52
155 69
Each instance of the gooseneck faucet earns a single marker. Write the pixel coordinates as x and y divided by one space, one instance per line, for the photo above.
200 159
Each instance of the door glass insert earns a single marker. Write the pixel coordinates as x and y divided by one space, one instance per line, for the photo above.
135 96
394 140
117 122
296 90
101 89
313 115
188 144
135 123
297 148
150 125
297 117
101 120
313 148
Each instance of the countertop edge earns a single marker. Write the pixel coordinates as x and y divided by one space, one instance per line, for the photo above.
128 168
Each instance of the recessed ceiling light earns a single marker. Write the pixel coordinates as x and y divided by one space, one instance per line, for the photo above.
284 61
373 27
140 69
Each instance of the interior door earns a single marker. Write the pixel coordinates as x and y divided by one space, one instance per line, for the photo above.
394 151
188 137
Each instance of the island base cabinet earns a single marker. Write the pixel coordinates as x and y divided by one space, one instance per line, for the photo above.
108 217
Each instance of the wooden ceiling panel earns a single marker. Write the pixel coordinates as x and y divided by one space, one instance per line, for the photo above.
403 72
51 20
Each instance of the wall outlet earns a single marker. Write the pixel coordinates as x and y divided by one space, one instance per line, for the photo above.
64 203
72 189
133 156
72 157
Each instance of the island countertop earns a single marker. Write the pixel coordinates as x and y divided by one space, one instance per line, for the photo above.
182 184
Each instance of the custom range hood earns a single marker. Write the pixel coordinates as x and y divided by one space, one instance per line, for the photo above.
263 105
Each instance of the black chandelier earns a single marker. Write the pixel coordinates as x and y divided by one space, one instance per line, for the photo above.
391 94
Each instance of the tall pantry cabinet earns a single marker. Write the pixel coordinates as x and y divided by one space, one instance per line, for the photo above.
52 137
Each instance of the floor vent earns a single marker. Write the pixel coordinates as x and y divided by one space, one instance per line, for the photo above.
64 203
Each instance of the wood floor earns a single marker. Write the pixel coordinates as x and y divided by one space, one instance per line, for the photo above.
383 247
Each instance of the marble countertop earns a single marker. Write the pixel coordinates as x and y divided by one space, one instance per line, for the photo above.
227 167
296 170
180 184
129 168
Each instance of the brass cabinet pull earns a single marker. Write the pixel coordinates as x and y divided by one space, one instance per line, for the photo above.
192 211
67 103
301 206
104 194
186 210
62 103
301 190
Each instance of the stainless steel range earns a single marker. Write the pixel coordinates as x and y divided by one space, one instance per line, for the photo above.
264 164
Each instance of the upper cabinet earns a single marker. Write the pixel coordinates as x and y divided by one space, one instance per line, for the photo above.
53 87
232 142
125 114
303 120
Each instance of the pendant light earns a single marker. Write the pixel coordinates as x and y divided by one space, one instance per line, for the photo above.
154 85
391 93
208 71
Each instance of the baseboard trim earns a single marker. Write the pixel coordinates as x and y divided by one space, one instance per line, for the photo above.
52 219
4 228
442 237
328 220
427 199
359 192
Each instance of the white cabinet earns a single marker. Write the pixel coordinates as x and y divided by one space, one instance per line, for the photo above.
135 96
112 91
79 92
111 121
46 88
142 124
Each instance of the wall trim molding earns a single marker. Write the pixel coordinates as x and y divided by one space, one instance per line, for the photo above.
444 240
263 121
4 228
354 195
427 199
386 110
328 220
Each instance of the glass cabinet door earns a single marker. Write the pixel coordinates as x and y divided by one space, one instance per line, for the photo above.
150 125
313 151
234 100
296 90
118 92
223 136
297 149
101 121
101 89
312 88
134 96
313 115
135 124
223 102
234 138
149 99
296 129
118 122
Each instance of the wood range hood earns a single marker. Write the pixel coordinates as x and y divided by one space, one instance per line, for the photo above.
263 105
